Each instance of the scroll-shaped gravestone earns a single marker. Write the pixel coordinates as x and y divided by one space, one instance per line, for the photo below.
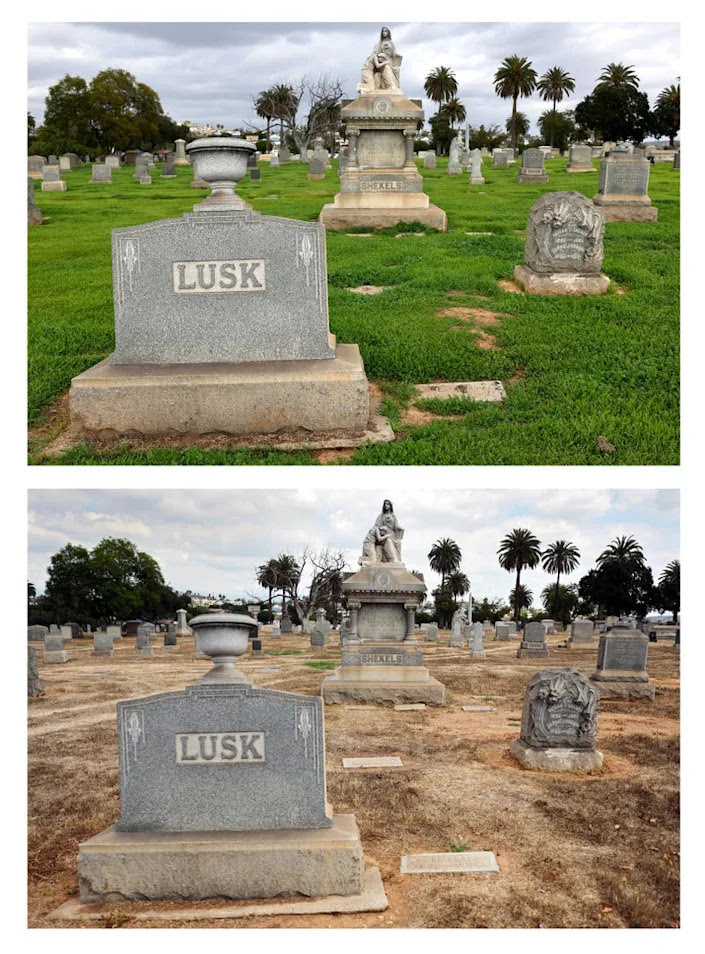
564 247
559 723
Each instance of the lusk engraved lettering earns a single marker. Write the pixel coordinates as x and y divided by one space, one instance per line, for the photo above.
215 748
217 277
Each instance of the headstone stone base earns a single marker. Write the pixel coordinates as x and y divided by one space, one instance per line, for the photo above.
532 179
197 183
54 187
339 219
330 394
57 656
556 760
337 691
311 176
532 650
616 684
162 865
625 208
575 167
477 180
560 283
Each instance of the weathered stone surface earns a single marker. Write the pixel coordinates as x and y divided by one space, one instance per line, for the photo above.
431 692
623 188
532 168
222 757
245 398
580 159
34 215
582 631
492 391
35 686
501 631
500 159
113 162
476 177
478 651
378 761
560 710
621 665
51 180
186 865
102 174
316 170
534 641
411 707
564 247
35 166
450 862
454 166
114 632
556 760
102 644
37 633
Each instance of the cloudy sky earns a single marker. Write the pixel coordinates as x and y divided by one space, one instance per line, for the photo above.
209 72
210 541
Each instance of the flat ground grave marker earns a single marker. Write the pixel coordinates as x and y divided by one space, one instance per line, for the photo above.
450 862
381 761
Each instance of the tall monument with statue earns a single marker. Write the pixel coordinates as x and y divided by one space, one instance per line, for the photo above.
380 185
381 659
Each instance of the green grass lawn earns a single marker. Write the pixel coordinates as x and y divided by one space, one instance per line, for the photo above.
575 369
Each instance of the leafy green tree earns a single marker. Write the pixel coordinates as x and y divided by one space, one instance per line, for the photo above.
667 113
623 550
31 130
444 557
288 574
560 557
514 78
69 582
619 588
123 581
617 76
67 124
668 591
442 133
485 137
559 128
517 550
124 113
444 606
489 609
615 113
265 107
562 602
458 584
517 126
554 85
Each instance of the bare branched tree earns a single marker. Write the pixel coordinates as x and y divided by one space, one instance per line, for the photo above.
326 565
319 95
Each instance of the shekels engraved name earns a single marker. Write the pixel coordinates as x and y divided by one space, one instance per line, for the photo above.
219 747
233 276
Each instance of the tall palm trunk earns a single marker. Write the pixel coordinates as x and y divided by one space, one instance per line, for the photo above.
514 122
516 596
553 123
271 617
555 595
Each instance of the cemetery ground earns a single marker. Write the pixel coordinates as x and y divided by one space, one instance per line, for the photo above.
589 850
589 380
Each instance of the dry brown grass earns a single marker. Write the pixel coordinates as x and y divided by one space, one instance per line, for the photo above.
597 850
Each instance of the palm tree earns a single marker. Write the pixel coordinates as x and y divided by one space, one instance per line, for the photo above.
616 75
267 578
622 550
519 549
454 111
440 84
265 107
457 583
288 573
521 123
284 106
523 596
553 86
444 557
560 557
514 78
669 100
670 587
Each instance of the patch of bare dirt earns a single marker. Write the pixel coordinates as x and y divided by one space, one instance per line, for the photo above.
485 341
509 285
590 850
518 375
480 316
331 456
416 417
605 446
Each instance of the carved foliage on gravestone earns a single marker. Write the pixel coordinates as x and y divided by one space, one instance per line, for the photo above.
565 233
560 710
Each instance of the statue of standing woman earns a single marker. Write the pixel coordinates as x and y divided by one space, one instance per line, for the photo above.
382 68
383 541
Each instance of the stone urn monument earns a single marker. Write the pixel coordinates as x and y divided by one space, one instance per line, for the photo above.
220 162
381 185
381 659
223 637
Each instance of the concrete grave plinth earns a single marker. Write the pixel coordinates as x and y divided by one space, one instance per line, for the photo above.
580 159
621 665
245 398
533 643
623 189
556 760
52 181
560 283
187 866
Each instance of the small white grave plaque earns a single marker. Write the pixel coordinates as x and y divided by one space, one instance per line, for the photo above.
411 707
452 862
382 761
477 708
